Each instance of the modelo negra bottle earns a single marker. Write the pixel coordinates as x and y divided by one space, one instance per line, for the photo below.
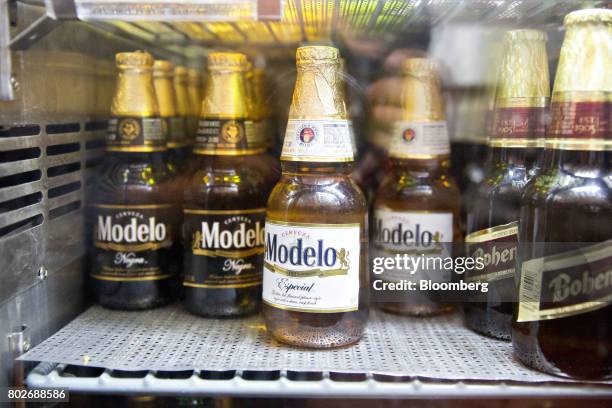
562 321
521 109
315 289
134 215
225 200
416 207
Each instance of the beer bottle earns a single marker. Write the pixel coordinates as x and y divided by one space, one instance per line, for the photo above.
562 321
194 91
179 148
492 220
225 200
416 207
133 211
315 289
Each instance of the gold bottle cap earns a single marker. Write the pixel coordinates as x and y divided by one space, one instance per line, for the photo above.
163 68
226 60
588 16
136 59
421 97
585 60
314 54
523 79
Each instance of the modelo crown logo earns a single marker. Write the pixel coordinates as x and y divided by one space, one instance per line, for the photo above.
399 235
325 261
131 232
211 236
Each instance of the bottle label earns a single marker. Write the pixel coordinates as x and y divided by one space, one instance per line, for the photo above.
255 132
419 140
580 126
497 248
417 234
132 242
312 268
326 140
132 134
520 127
226 248
225 137
177 136
566 284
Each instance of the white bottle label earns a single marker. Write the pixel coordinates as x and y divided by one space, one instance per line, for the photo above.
312 268
417 234
419 140
325 140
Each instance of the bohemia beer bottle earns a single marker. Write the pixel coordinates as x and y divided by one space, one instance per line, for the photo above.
315 289
134 215
562 321
492 221
416 207
225 200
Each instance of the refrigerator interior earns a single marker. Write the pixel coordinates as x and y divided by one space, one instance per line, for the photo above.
56 82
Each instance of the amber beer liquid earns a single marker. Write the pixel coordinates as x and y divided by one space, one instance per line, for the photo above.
562 320
417 201
492 220
134 213
315 289
225 200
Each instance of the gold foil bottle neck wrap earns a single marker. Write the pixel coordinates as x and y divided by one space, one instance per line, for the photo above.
318 92
523 79
180 90
163 68
420 94
585 60
136 59
226 61
225 96
134 92
163 72
195 91
317 55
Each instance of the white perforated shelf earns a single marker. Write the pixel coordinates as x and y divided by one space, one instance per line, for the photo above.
169 351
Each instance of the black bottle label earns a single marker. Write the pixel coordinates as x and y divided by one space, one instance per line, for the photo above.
226 137
566 284
132 242
224 249
136 134
496 248
177 134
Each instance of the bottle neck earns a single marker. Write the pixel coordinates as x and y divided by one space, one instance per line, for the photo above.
314 169
225 95
317 93
555 159
165 96
512 156
135 94
420 167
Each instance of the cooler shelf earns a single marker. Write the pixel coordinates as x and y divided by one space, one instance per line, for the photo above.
168 351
